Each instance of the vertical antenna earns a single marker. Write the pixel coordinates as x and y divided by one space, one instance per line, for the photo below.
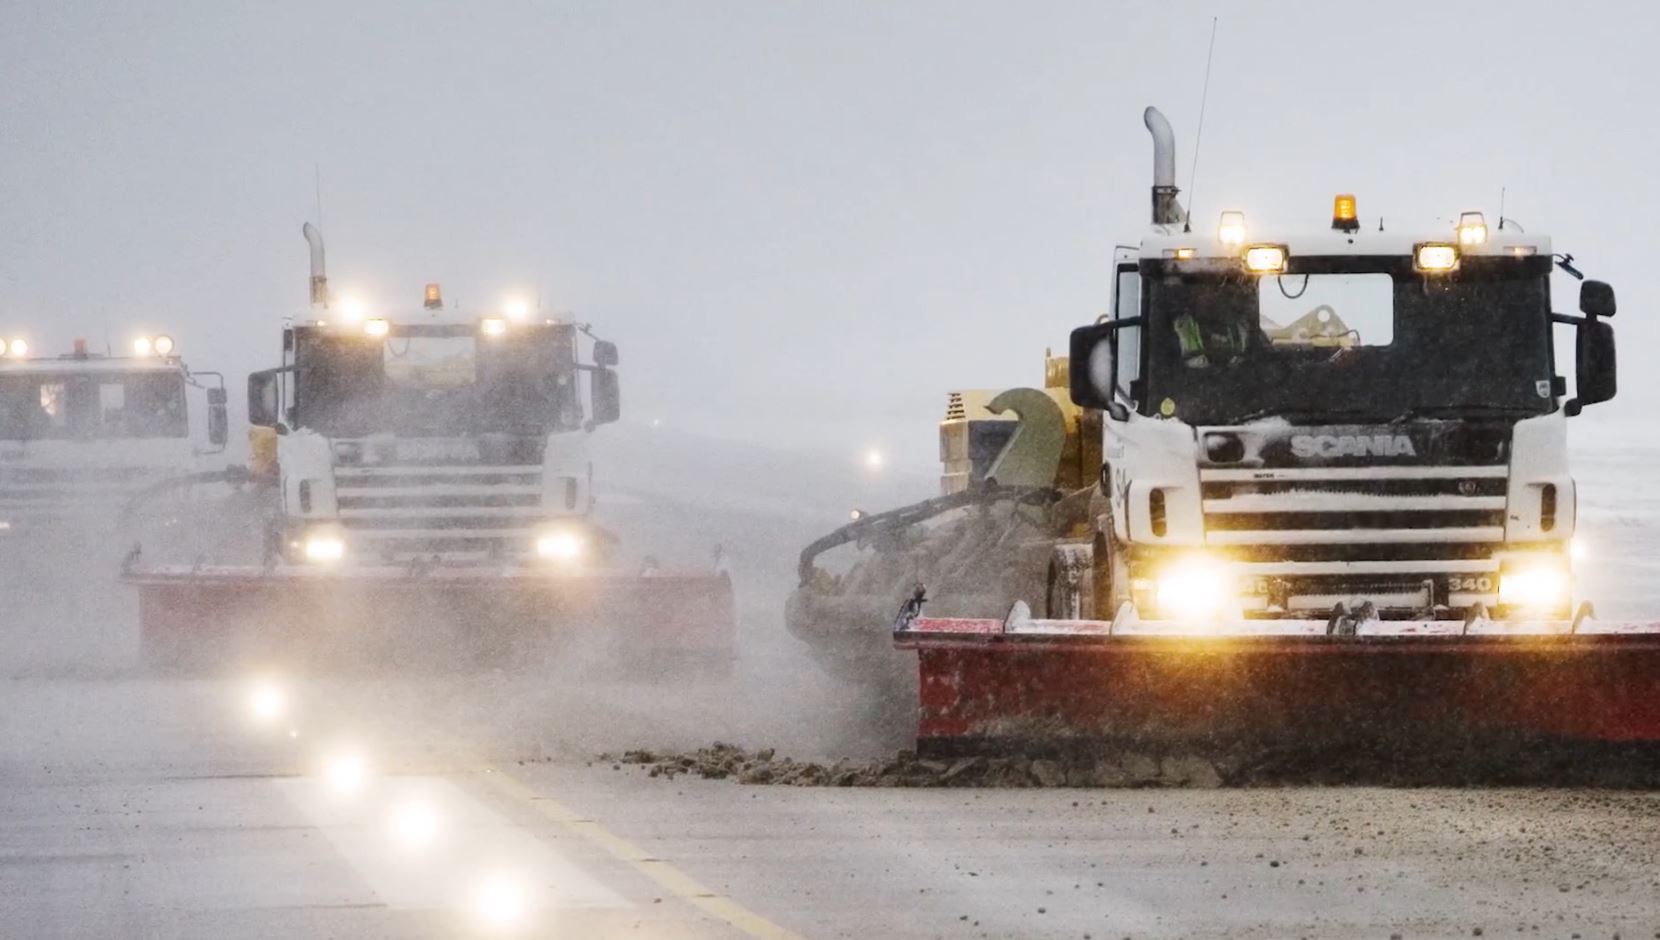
1501 208
1198 134
317 180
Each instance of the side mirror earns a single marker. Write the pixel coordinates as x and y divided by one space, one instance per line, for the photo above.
1596 299
218 420
1091 368
607 396
605 353
1593 364
262 399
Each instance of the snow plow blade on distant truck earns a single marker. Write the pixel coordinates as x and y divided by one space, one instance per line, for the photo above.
1334 506
428 496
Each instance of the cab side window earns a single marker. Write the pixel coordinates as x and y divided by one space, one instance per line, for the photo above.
1127 304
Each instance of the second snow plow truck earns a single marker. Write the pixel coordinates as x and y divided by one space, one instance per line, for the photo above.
428 490
1324 499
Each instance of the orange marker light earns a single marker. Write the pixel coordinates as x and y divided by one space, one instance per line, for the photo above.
434 297
1343 217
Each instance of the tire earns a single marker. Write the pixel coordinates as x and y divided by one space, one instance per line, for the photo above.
1112 575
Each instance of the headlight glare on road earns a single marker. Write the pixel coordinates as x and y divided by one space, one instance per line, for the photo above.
500 900
414 823
346 772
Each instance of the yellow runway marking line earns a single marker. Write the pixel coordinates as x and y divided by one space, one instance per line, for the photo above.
676 882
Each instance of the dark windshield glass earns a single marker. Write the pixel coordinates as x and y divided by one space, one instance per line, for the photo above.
437 382
1359 342
83 406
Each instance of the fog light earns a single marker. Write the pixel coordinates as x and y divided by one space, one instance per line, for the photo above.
324 547
267 701
1196 588
560 546
1534 587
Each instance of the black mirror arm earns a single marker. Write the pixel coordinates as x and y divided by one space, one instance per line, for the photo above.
1573 406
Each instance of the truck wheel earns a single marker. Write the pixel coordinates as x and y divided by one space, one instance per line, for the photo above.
1112 576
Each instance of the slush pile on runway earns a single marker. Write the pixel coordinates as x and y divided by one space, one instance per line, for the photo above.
1435 764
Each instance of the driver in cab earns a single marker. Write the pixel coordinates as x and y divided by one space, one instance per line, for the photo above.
1216 336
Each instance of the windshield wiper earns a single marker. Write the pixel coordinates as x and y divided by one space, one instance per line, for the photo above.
1459 411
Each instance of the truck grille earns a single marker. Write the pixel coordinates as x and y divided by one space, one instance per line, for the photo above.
451 511
1403 536
44 493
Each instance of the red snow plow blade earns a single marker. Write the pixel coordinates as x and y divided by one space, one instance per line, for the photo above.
988 685
448 615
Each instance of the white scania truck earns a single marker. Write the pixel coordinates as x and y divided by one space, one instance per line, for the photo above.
1303 424
1334 505
427 480
81 433
96 451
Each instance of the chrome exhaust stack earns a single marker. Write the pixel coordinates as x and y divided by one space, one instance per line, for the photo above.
1166 210
319 278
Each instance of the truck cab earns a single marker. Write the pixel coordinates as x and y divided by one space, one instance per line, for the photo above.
1351 421
432 437
81 433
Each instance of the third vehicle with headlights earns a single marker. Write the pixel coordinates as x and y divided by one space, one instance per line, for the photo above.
82 433
427 476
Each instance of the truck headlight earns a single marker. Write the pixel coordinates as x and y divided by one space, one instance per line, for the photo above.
560 545
1534 586
324 547
267 701
1265 259
1196 587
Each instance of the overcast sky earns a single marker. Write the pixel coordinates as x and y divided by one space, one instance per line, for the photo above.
803 223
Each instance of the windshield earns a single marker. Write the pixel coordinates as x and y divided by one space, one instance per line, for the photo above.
82 406
1360 338
436 382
